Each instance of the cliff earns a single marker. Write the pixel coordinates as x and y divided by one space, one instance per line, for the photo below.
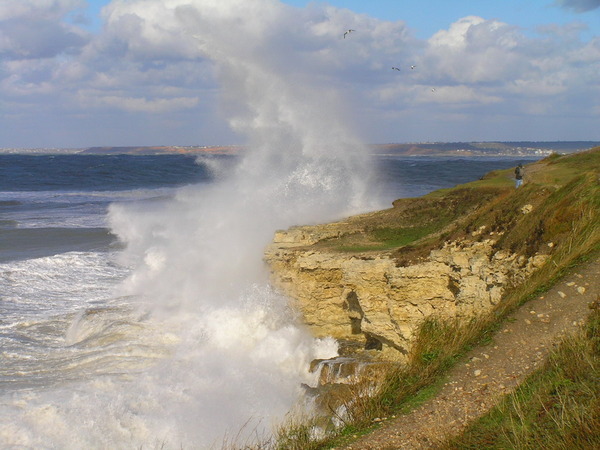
372 279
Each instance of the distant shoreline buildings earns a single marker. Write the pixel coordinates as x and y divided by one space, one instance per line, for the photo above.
471 149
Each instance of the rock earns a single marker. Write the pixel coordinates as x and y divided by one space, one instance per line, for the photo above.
379 306
539 260
527 209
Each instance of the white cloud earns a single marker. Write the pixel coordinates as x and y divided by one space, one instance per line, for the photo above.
475 50
155 105
548 86
27 78
11 9
588 54
151 55
456 95
31 29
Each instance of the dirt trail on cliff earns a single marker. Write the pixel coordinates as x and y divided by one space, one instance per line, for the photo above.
487 373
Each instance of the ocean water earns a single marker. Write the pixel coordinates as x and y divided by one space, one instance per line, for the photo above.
134 306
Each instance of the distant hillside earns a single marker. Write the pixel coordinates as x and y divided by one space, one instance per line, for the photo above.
160 150
516 148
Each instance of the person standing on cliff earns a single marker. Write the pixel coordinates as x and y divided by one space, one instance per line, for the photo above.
519 171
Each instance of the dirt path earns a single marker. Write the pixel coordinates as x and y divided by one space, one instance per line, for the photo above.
487 373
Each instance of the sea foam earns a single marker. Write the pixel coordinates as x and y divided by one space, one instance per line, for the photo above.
231 352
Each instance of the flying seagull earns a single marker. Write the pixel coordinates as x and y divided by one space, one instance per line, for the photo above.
348 32
395 68
412 67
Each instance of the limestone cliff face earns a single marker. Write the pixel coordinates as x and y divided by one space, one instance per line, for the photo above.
371 301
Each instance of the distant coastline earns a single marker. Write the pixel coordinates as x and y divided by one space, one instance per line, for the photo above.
516 148
458 149
161 150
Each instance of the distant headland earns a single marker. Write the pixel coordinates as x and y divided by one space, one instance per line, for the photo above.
523 148
488 148
161 150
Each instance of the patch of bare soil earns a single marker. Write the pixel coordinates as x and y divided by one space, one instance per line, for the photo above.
489 372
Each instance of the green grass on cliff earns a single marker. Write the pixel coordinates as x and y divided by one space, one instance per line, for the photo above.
410 221
560 191
387 238
555 213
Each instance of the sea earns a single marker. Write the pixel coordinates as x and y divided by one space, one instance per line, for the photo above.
130 316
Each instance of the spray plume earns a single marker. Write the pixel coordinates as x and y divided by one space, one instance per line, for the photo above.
239 354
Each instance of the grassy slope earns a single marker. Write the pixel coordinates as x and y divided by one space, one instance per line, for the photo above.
560 188
564 192
556 407
559 405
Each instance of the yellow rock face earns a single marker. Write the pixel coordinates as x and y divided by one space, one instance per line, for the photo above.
368 299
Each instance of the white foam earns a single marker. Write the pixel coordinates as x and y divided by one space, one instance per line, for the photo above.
78 209
61 283
239 352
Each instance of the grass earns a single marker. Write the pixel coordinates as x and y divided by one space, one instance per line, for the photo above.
386 238
557 407
408 222
558 188
402 388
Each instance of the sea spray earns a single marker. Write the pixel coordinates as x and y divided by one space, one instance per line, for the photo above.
237 353
198 258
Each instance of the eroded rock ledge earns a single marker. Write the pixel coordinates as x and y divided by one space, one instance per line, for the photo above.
367 300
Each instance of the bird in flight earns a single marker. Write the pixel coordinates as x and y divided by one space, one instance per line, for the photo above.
348 32
412 67
395 68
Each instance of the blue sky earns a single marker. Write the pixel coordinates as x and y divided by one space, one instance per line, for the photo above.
145 74
428 16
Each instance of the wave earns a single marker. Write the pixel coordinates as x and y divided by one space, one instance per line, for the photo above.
99 172
28 243
4 203
8 223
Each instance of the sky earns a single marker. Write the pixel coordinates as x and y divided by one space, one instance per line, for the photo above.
77 73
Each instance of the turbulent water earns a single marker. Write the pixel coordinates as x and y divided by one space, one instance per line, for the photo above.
134 306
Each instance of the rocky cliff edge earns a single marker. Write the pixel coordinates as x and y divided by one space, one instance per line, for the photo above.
371 280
